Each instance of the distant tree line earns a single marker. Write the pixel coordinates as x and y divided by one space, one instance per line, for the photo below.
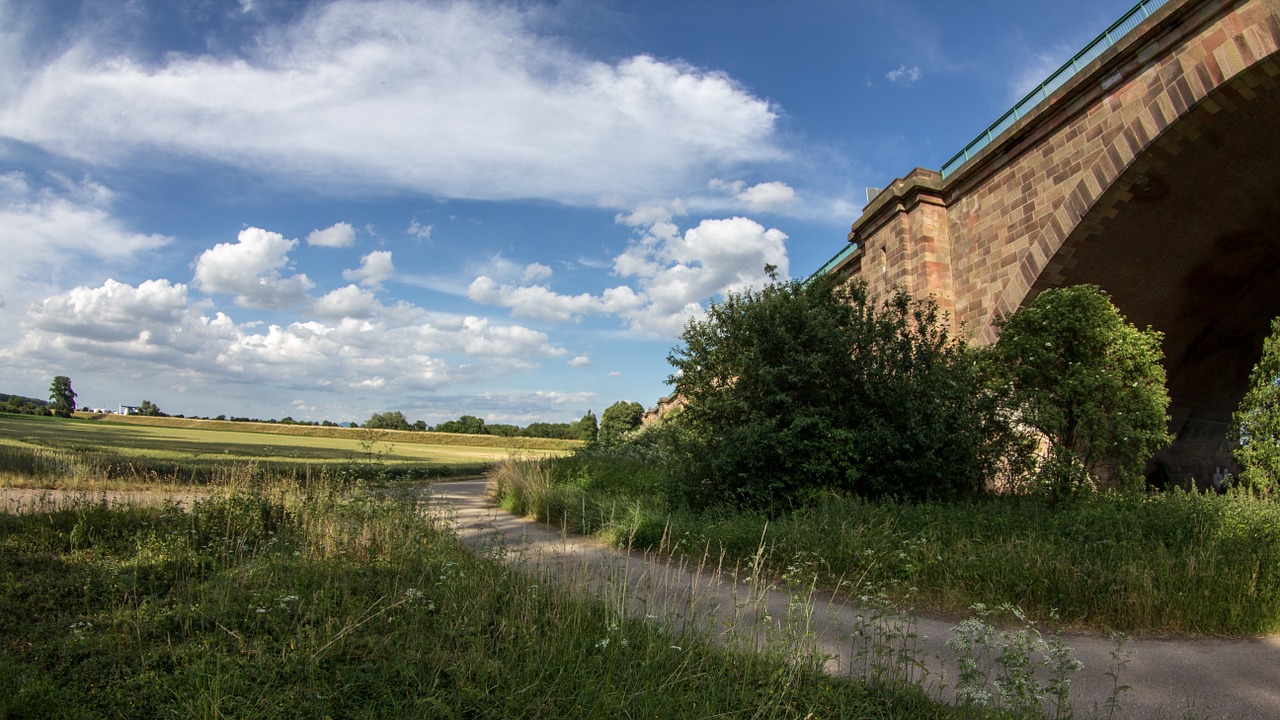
619 419
20 405
585 428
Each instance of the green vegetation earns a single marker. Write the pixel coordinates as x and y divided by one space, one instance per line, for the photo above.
307 601
1257 421
61 397
803 387
619 419
1089 384
864 444
1173 562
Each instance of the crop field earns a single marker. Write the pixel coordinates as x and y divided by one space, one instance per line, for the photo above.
53 451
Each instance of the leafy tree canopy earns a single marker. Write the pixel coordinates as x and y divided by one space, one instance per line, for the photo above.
587 428
807 385
146 407
467 425
619 419
1086 381
62 399
1257 420
393 420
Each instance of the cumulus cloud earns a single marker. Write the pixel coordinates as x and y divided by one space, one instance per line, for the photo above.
771 196
580 361
903 75
339 236
347 302
345 96
249 269
672 274
352 342
113 312
374 269
539 301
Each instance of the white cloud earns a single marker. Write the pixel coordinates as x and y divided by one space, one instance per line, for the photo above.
672 274
539 301
113 312
339 236
117 326
249 269
57 227
903 75
535 272
580 361
615 373
374 269
347 302
771 196
346 95
419 231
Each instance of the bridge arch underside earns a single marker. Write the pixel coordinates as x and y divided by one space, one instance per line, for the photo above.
1187 240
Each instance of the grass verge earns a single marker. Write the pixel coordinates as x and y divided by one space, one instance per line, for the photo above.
1165 563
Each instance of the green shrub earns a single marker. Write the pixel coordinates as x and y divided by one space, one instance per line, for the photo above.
806 386
1257 420
1088 383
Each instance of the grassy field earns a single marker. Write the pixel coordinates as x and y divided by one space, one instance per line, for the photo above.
43 451
312 600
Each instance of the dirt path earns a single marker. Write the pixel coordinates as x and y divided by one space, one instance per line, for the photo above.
1236 679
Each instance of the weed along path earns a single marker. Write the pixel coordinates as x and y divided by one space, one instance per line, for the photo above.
1237 679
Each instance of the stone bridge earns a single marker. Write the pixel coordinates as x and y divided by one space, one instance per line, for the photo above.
1153 171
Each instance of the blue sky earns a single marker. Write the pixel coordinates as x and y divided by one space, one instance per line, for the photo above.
324 210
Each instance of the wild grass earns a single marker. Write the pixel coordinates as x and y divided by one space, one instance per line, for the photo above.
305 598
1172 562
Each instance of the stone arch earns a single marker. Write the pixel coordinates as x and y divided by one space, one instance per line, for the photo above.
1186 239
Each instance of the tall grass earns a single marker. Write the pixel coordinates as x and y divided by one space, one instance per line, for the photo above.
303 598
1174 562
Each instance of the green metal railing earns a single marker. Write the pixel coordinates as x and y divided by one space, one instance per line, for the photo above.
1100 44
835 260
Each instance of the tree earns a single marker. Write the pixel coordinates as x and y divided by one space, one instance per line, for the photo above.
387 421
1257 419
1088 383
146 407
586 428
619 419
61 396
467 425
809 385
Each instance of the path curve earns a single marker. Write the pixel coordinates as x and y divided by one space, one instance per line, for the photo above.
1235 679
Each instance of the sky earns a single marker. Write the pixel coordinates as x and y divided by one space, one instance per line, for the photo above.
324 210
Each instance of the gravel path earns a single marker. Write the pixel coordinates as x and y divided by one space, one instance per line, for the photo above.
1236 679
